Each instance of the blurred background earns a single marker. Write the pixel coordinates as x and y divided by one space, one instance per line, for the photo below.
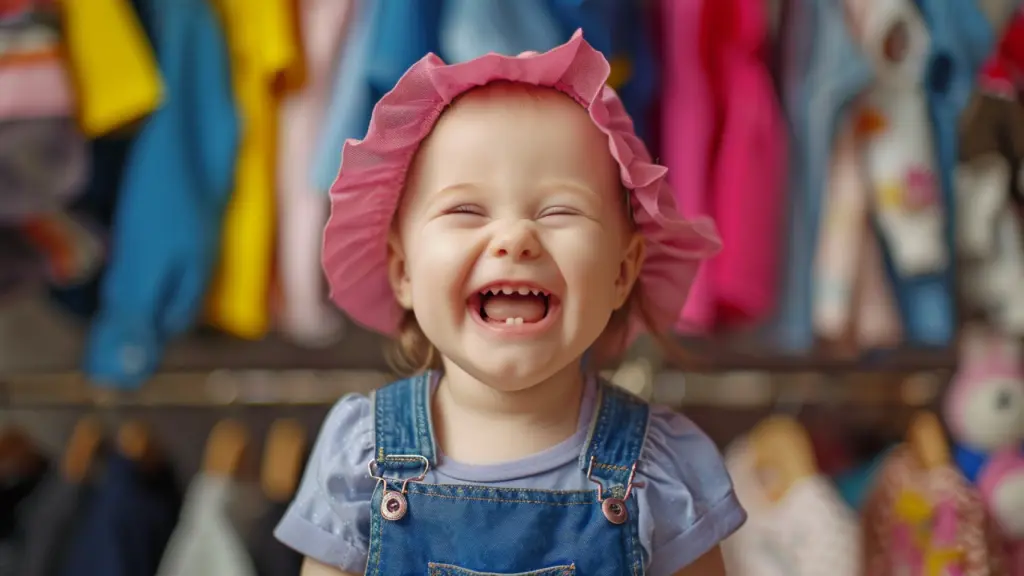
167 349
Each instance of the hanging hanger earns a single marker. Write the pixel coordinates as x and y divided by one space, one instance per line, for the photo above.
82 449
927 441
226 448
135 442
783 454
283 459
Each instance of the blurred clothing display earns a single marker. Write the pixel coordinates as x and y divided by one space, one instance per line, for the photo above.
824 136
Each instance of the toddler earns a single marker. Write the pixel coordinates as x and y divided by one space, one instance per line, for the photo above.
504 222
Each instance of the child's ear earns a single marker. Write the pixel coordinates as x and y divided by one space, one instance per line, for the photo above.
629 269
397 274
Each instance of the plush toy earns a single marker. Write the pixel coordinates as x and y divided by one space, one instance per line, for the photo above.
985 405
1001 483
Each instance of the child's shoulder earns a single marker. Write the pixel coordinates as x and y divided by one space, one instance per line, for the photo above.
349 423
677 452
688 504
348 429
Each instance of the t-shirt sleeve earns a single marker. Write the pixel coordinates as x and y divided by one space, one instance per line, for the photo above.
329 519
688 505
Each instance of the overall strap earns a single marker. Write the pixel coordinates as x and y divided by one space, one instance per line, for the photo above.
403 435
616 439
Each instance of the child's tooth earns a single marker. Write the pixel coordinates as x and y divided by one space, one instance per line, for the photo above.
519 320
510 321
524 291
506 290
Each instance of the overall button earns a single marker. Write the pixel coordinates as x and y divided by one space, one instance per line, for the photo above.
393 505
614 510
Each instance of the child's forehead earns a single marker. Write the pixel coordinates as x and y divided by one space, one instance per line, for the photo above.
505 123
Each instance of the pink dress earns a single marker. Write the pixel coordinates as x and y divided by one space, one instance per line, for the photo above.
748 164
686 135
723 140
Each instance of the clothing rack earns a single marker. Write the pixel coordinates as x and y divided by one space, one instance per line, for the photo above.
226 388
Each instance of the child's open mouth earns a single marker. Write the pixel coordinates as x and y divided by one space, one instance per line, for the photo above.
512 305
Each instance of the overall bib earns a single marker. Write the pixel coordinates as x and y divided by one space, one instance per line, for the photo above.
450 530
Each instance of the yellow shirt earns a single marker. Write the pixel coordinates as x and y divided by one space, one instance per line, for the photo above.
116 74
262 40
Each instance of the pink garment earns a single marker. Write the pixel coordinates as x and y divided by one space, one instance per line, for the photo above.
366 194
686 134
306 315
37 89
747 176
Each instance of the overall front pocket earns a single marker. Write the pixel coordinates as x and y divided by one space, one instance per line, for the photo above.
449 570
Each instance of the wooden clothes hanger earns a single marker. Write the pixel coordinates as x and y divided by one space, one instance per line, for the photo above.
226 448
283 459
927 441
135 441
82 449
783 454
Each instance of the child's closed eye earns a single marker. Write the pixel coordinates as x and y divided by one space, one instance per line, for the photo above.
559 211
466 210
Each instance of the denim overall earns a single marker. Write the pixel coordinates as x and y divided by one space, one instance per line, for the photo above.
449 530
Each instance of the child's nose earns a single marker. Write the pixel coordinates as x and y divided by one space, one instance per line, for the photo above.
518 241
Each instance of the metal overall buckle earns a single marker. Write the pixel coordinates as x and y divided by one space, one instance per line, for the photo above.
614 509
393 504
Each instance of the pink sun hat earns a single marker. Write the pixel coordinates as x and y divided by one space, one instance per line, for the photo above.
366 193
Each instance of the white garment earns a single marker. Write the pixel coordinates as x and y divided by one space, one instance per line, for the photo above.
982 192
899 154
736 549
810 531
992 242
206 542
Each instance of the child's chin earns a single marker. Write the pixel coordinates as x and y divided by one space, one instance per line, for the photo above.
514 371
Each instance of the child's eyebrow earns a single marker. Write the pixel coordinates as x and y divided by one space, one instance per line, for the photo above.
459 187
571 185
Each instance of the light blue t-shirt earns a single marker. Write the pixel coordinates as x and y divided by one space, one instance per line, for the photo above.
686 507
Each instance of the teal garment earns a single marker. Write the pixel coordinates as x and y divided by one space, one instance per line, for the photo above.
178 179
855 485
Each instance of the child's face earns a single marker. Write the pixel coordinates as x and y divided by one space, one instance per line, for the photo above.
514 191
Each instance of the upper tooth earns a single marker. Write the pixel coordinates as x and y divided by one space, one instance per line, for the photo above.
524 291
506 290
